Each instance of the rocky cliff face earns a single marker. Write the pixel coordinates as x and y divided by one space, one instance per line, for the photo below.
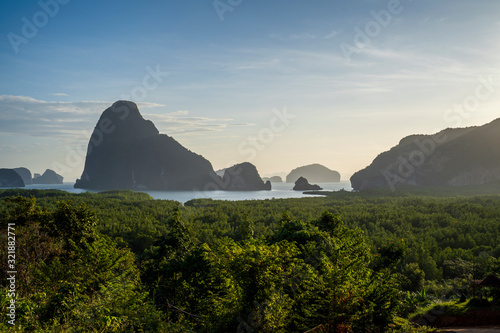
48 177
315 173
452 157
25 175
10 178
243 177
127 152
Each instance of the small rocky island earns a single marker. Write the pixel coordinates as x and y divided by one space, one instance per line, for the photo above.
244 177
48 177
302 184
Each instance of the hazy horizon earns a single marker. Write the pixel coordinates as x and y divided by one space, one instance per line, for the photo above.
280 85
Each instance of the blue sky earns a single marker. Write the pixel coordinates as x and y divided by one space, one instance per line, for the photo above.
354 77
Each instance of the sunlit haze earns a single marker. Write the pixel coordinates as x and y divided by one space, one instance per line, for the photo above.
279 84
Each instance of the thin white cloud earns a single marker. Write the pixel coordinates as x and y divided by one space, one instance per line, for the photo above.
59 94
145 105
179 113
293 36
243 124
240 65
276 36
302 36
332 34
24 115
68 121
178 123
412 64
9 148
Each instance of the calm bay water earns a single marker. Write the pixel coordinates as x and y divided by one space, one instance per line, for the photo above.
279 191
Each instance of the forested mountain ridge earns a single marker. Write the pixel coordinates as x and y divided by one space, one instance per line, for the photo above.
452 157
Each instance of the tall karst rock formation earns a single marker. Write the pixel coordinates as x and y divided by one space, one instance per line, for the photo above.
128 152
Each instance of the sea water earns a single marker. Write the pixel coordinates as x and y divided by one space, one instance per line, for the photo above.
279 191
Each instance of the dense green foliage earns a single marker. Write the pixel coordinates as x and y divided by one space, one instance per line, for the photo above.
306 274
118 260
71 278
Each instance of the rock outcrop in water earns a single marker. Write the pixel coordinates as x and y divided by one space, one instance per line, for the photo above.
10 178
243 177
302 184
315 173
452 157
48 177
128 152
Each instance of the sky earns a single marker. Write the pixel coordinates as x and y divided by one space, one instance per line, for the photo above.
278 83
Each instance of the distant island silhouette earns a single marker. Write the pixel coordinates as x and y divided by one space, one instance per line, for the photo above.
273 179
20 177
315 173
48 177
